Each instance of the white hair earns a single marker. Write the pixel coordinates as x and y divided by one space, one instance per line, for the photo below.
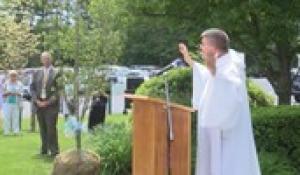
46 54
12 72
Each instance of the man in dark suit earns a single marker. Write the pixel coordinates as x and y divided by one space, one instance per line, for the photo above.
45 96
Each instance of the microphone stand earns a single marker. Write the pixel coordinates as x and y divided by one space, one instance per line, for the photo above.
170 132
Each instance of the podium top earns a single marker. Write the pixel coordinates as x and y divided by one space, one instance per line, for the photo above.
157 100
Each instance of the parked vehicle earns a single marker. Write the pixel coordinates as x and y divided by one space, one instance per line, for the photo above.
296 85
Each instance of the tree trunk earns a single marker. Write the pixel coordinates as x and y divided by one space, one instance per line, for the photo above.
76 72
284 88
284 79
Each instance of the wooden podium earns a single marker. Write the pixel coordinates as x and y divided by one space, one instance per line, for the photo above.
152 153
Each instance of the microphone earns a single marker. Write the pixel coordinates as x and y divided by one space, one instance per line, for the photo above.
178 62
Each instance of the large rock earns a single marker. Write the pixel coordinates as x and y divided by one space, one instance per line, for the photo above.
76 163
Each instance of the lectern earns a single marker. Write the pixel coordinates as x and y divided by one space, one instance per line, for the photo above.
153 154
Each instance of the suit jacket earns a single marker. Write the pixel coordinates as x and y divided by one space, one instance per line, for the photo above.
52 94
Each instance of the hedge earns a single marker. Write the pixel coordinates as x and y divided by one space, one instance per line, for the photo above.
276 129
275 164
180 86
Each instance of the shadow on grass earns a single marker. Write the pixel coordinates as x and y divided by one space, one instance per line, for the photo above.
44 158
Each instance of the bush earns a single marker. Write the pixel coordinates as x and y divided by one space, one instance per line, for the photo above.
275 164
257 96
180 85
277 129
113 143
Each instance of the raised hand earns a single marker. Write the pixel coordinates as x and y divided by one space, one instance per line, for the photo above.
183 49
185 53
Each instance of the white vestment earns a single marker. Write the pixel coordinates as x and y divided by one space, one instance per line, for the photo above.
226 144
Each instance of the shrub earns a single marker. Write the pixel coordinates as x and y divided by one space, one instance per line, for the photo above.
180 85
257 96
275 164
113 143
277 129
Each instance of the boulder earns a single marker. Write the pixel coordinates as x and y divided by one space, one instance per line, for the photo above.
76 163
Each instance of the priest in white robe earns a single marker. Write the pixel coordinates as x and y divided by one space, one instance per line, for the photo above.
226 144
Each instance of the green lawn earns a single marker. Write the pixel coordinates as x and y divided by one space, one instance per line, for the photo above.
19 154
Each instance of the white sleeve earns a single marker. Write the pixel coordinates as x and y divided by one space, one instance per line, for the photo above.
238 59
200 76
5 89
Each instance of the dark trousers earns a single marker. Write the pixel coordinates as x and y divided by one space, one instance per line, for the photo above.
47 118
97 115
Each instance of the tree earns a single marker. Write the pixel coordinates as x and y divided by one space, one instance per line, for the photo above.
267 31
17 44
91 42
46 18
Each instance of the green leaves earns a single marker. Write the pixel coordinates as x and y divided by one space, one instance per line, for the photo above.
257 96
265 30
93 39
179 85
277 130
181 88
112 142
17 43
275 164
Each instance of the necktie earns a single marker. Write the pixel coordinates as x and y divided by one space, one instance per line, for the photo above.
44 83
45 78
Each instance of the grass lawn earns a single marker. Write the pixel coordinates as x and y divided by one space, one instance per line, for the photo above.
19 154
